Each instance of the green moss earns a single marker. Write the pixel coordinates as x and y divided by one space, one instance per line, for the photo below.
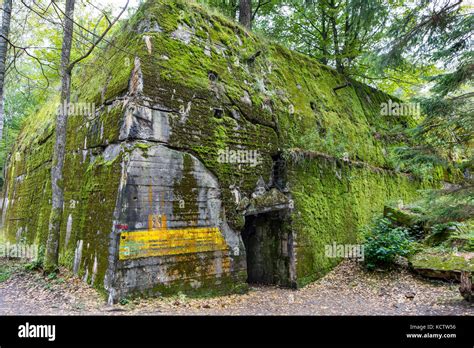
66 259
437 261
222 95
332 202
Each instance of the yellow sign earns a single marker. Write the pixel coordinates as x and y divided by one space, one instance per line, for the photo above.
159 240
163 242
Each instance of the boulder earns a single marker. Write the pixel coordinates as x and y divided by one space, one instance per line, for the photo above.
401 216
446 266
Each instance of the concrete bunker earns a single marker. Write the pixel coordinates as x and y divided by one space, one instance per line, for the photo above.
151 206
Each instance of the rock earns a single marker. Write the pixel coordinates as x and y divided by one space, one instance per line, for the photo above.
410 295
462 242
406 218
446 266
401 262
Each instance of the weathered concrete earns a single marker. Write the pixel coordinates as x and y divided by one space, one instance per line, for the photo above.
176 202
198 144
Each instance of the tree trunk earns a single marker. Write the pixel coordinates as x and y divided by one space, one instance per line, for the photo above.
245 13
337 53
324 35
57 184
466 286
5 31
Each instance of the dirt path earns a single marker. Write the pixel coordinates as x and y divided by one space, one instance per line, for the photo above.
347 290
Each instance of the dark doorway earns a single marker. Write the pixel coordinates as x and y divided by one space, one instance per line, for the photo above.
268 246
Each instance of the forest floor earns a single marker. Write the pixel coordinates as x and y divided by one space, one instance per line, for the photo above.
347 290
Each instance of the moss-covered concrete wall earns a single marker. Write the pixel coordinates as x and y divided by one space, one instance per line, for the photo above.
333 200
152 204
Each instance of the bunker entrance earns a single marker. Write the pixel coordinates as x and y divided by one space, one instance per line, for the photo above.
268 245
267 233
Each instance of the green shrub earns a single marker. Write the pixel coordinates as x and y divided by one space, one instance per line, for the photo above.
4 274
34 265
383 242
37 263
